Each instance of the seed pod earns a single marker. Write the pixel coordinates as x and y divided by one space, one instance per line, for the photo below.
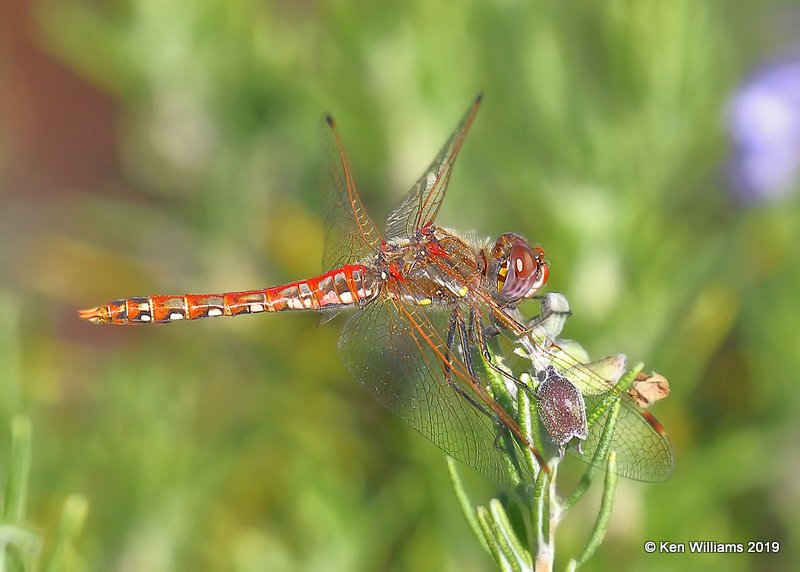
561 408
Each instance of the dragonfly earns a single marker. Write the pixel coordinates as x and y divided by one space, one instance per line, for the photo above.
425 300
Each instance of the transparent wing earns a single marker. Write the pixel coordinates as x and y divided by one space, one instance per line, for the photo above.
350 235
644 453
422 202
399 357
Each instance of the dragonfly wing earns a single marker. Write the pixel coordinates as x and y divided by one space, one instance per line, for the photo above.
644 452
350 235
422 202
397 352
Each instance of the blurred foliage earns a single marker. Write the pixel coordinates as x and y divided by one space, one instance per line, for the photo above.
242 444
20 546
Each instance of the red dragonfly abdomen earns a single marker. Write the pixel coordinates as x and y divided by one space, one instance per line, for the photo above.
343 286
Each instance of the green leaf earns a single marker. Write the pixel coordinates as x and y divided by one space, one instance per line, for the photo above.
16 492
498 546
522 556
599 458
606 506
463 501
73 516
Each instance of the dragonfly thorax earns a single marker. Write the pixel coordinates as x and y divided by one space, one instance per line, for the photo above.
435 266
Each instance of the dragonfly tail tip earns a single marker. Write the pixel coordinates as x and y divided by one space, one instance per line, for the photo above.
96 315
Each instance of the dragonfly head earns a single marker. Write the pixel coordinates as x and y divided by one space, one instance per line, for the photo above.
518 269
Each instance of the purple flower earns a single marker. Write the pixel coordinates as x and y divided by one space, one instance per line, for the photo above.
764 124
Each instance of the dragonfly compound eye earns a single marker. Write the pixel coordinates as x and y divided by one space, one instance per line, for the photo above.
524 272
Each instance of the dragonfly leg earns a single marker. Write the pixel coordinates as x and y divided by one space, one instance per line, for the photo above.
457 325
479 333
502 439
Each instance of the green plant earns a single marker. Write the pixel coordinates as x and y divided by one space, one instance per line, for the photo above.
543 505
21 546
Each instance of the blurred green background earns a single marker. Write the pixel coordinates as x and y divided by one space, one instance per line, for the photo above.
169 146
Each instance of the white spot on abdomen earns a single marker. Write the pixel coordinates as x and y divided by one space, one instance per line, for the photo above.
176 316
214 312
346 298
256 307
